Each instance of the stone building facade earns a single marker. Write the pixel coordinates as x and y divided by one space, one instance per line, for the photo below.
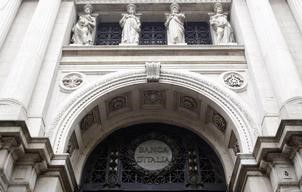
209 90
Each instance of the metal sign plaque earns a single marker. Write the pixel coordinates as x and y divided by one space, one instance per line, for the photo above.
153 155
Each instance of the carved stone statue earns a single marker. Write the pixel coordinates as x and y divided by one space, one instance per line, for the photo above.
175 25
84 29
221 29
131 25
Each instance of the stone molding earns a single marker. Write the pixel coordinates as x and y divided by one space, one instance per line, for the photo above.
15 137
269 152
82 98
147 1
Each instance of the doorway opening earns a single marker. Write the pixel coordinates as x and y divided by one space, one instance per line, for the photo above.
153 157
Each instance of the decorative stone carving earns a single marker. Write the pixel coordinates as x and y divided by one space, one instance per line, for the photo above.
219 122
216 120
221 29
72 144
131 25
84 29
117 103
153 97
93 117
72 81
153 71
234 80
189 103
175 25
233 144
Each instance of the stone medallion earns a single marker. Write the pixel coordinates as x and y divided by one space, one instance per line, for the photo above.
153 155
72 81
234 81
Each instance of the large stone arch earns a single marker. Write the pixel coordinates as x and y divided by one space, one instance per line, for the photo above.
82 100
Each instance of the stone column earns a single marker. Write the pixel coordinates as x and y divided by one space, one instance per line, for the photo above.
267 103
296 8
28 60
279 62
8 11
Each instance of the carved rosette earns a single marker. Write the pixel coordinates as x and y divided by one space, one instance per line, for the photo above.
91 118
234 81
119 104
72 81
219 122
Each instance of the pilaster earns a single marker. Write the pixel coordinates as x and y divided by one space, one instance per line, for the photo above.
296 8
27 63
8 11
267 104
279 62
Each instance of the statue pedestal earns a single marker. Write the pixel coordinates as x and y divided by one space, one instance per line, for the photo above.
128 44
177 44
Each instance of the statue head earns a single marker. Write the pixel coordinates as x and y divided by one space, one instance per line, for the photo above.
131 8
88 8
218 8
174 7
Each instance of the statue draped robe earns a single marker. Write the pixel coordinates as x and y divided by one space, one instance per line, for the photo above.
131 29
175 29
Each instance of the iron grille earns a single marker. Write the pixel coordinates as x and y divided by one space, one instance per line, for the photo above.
153 34
197 33
195 168
108 34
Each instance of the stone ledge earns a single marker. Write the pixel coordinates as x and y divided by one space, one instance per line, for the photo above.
283 143
55 165
199 54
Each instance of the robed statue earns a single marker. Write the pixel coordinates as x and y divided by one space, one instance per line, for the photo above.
131 26
175 25
221 29
84 29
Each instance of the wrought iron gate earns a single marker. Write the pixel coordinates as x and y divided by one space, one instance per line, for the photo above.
113 165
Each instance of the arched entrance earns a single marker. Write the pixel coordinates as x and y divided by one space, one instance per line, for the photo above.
153 157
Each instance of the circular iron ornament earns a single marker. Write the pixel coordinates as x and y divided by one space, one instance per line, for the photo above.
165 140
